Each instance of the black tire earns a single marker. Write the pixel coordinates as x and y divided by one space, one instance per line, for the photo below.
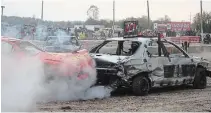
140 85
200 80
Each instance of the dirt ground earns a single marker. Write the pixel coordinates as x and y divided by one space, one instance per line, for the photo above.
172 99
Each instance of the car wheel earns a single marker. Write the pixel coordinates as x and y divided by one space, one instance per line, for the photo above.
200 80
140 86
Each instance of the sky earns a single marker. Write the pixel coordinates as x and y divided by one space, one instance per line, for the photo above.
72 10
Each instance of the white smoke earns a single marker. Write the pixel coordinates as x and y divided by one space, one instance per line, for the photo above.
60 33
73 88
20 83
24 84
41 32
10 30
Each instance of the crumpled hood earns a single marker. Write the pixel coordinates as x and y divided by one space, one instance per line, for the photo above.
108 58
196 57
200 59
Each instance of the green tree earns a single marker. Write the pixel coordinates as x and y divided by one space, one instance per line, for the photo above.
206 20
91 21
93 12
163 20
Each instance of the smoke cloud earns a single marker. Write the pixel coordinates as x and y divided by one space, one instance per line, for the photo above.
24 84
10 30
20 83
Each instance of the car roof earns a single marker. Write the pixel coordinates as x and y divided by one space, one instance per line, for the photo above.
139 39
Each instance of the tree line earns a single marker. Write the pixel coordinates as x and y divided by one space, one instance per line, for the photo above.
206 20
143 22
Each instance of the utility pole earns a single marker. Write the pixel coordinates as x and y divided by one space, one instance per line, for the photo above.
201 21
190 17
148 13
42 11
113 16
2 10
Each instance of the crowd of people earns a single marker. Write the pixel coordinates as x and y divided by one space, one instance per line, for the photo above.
40 32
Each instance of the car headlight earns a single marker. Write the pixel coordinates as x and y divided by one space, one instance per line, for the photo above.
120 74
121 70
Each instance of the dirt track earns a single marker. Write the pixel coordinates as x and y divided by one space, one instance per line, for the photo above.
175 99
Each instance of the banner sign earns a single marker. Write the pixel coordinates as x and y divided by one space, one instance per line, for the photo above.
130 29
173 26
180 26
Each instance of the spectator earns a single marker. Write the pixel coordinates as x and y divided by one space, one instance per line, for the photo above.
161 35
119 34
76 32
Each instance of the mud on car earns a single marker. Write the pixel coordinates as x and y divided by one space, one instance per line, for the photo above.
143 63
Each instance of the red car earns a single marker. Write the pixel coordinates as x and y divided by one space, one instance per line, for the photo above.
72 63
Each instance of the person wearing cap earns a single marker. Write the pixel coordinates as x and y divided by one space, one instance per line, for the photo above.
134 47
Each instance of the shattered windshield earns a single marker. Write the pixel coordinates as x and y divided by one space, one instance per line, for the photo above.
61 44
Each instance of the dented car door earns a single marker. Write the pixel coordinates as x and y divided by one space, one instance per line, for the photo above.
180 65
